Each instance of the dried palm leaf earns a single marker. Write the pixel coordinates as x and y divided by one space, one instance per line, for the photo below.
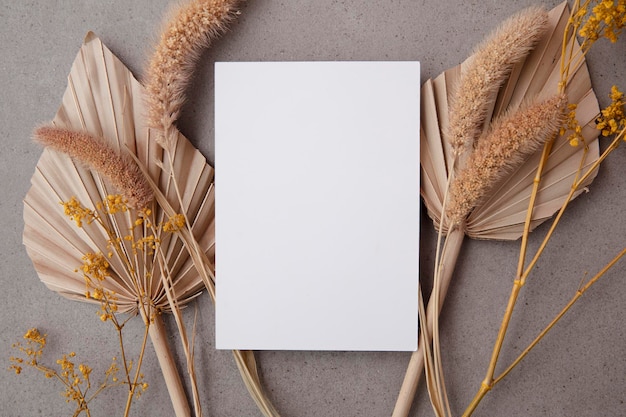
502 215
104 100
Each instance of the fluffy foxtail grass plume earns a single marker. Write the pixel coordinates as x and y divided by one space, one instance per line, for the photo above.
119 169
510 140
188 30
487 69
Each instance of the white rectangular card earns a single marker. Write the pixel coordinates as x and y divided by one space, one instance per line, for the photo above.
317 205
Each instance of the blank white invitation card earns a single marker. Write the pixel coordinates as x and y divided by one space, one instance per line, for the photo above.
317 205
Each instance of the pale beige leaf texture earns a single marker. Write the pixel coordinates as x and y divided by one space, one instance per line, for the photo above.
502 214
104 99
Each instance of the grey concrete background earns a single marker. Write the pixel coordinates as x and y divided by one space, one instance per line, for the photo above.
578 370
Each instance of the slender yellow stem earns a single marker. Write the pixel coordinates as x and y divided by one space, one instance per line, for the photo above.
520 280
487 385
531 205
565 309
575 187
120 336
517 284
133 386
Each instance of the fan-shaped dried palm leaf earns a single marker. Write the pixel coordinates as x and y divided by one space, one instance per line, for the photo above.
502 215
104 100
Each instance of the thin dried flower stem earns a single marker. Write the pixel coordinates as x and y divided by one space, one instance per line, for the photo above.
576 297
486 71
166 278
188 30
243 358
133 386
94 153
449 255
579 181
520 280
486 387
427 356
512 138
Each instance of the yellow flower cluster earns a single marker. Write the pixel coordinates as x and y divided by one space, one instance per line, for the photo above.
95 270
35 342
174 224
95 265
607 20
612 119
74 377
111 373
147 244
75 211
571 125
113 204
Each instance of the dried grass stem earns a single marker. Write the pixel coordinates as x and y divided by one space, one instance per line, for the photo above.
188 30
119 169
485 72
511 139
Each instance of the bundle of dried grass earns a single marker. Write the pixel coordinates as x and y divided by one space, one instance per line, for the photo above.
511 140
485 71
187 31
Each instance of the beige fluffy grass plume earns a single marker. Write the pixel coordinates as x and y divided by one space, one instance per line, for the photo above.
120 170
511 139
486 70
189 29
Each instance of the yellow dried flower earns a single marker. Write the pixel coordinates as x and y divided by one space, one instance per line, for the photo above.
95 265
607 20
75 211
573 126
174 224
612 118
114 204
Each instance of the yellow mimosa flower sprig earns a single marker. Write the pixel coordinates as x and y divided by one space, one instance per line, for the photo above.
140 242
75 377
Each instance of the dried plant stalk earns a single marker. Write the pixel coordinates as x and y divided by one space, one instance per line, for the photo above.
485 72
188 30
113 112
511 139
437 166
97 155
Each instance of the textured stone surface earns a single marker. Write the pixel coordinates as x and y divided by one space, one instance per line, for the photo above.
578 370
